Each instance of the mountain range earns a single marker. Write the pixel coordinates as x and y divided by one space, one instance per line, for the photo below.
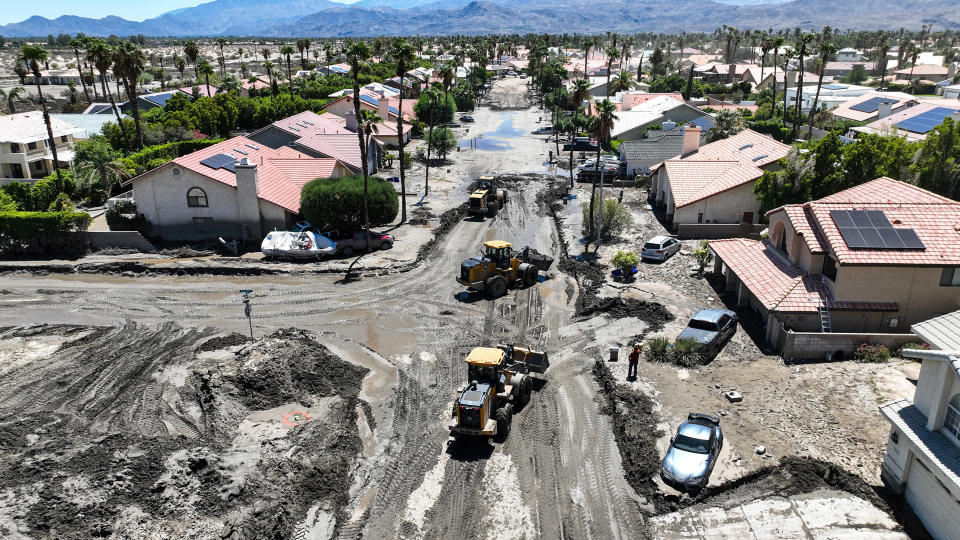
323 18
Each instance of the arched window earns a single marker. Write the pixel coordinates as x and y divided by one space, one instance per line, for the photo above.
196 198
951 424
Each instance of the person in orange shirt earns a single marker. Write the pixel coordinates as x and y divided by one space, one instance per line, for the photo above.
634 359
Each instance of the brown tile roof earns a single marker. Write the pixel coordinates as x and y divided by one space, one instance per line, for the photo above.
748 146
924 69
935 219
695 180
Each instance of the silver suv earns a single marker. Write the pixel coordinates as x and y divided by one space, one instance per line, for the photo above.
660 248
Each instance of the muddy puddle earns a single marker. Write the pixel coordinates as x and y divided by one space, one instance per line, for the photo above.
498 139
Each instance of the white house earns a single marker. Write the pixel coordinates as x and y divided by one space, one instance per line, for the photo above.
849 54
922 460
235 189
25 152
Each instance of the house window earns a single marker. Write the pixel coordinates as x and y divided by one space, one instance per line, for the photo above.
200 224
63 139
31 146
951 424
14 148
830 268
196 198
950 277
16 170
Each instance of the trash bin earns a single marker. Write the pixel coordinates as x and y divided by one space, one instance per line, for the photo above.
614 353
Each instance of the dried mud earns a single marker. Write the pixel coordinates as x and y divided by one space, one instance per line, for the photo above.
139 431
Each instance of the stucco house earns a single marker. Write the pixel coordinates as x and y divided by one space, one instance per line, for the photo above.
713 183
913 123
655 147
922 459
25 152
925 72
384 106
875 258
236 189
869 106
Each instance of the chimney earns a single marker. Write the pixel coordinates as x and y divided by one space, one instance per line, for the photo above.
691 140
626 102
247 200
884 108
351 119
383 108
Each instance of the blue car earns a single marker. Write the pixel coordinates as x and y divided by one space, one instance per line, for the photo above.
693 453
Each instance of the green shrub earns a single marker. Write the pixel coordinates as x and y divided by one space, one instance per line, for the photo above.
20 193
42 233
616 218
686 353
912 345
703 256
625 261
7 204
61 203
124 217
154 156
42 194
338 203
657 349
871 354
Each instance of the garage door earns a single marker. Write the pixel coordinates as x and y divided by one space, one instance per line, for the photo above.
932 503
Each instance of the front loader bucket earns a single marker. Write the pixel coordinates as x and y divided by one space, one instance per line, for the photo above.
534 257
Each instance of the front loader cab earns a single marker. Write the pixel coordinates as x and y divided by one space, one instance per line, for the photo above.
499 252
486 183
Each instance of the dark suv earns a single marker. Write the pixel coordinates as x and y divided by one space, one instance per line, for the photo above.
711 328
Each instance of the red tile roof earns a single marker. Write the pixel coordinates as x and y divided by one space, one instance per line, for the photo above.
776 283
935 219
803 223
693 180
280 173
310 123
342 147
747 146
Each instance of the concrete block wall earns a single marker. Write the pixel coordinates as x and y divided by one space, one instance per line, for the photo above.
817 345
714 231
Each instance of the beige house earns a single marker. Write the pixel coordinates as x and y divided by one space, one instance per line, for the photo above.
922 459
714 183
25 152
875 258
237 189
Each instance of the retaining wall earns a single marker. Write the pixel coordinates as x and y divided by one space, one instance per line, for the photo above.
714 231
119 239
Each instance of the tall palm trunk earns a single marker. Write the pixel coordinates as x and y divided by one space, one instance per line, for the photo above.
86 93
426 181
816 98
131 87
113 105
401 143
46 120
362 142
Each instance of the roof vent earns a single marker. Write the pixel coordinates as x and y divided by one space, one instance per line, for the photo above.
758 158
748 145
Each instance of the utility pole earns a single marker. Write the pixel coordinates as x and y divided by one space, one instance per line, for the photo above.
246 308
600 212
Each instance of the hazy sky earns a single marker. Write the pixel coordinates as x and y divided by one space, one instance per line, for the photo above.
18 10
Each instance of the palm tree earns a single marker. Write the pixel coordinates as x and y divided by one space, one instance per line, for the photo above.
827 50
602 125
180 64
206 70
447 72
34 55
20 70
776 43
286 51
303 45
76 44
402 55
268 66
581 89
223 61
914 53
129 64
884 48
358 53
100 164
229 83
764 49
587 45
367 125
266 56
805 40
13 95
102 57
192 52
623 81
611 54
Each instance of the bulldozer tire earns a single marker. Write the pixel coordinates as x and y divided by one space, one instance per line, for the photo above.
504 418
492 208
528 274
503 197
526 390
496 286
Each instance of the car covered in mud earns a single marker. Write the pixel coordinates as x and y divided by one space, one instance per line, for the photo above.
710 328
692 453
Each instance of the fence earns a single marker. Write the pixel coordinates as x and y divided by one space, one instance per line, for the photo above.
821 345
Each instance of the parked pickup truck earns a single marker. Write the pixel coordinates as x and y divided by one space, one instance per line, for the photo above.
348 243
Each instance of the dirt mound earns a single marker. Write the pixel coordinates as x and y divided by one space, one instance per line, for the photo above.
143 432
653 313
222 342
448 220
421 215
635 430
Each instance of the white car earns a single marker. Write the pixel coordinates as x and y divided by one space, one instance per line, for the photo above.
660 248
609 164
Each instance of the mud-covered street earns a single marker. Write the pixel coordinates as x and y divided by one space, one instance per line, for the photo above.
135 406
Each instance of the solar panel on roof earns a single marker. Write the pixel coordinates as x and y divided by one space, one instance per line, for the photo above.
835 87
871 105
220 161
870 229
925 121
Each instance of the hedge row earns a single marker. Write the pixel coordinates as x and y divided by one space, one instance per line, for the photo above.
42 233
